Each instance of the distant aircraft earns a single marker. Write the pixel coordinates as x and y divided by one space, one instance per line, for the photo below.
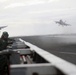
60 22
1 27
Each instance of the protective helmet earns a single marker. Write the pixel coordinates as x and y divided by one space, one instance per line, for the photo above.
5 34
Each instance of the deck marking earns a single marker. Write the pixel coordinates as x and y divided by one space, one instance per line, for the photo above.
68 53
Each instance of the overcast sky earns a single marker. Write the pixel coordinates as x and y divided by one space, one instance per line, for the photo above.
37 17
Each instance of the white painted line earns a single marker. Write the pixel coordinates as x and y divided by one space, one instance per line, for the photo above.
68 53
65 52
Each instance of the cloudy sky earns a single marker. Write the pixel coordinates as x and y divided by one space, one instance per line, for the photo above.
37 17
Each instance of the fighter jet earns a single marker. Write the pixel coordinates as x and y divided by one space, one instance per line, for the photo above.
60 22
1 27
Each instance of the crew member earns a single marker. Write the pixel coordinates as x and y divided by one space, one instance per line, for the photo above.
4 61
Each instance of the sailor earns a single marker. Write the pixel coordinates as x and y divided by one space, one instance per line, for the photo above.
4 61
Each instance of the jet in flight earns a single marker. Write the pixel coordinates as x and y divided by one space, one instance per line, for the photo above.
1 27
60 22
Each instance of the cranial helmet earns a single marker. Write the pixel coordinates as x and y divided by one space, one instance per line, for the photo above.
5 34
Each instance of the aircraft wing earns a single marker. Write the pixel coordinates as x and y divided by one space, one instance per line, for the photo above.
1 27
